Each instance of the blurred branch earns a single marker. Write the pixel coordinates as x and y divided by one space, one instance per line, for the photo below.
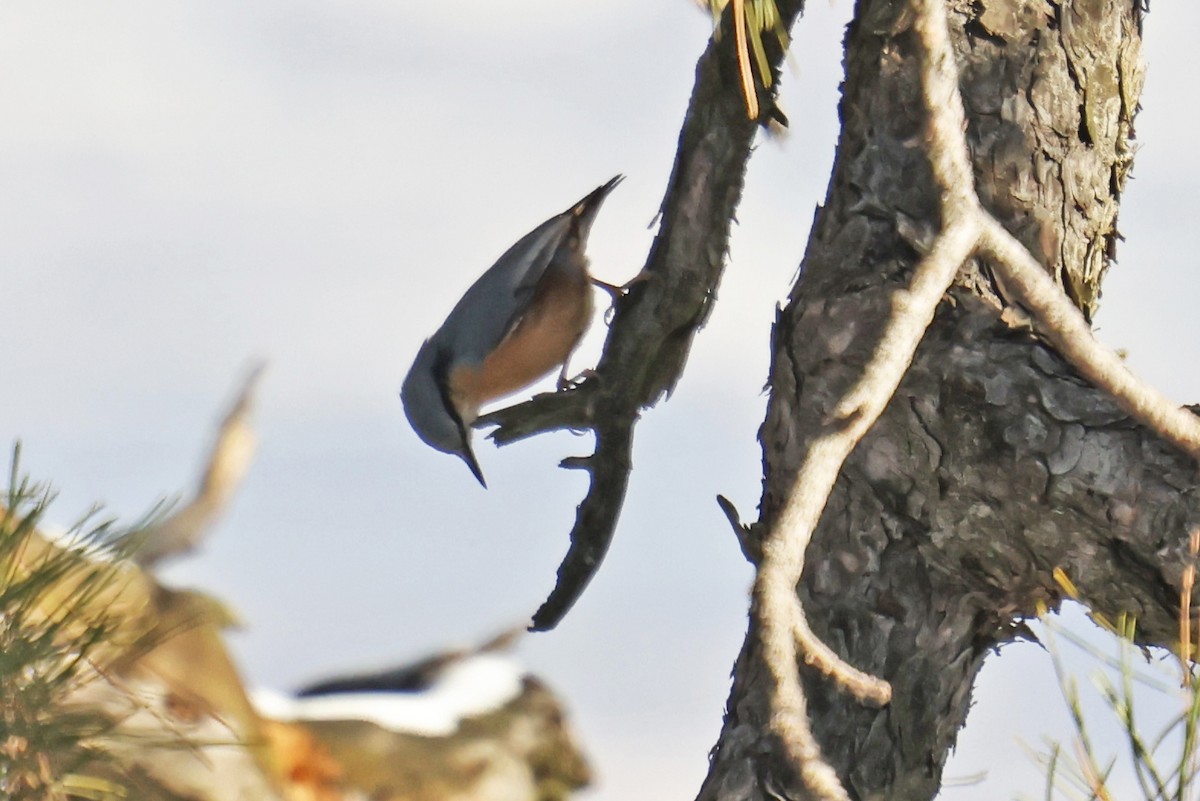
230 458
655 321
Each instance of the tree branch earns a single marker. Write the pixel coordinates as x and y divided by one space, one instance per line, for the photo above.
965 225
655 321
1060 322
781 621
997 464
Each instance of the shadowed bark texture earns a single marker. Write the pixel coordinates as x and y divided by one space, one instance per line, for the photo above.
994 463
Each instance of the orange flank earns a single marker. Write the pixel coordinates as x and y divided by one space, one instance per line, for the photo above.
541 341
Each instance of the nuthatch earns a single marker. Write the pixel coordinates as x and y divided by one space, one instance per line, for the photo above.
518 322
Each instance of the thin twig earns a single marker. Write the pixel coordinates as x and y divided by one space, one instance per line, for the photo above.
861 685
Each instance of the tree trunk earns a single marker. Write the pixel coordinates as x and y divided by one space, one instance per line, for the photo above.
994 464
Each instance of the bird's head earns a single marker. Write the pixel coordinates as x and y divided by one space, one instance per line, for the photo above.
431 410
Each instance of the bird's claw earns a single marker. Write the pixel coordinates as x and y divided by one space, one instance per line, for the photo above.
617 292
565 384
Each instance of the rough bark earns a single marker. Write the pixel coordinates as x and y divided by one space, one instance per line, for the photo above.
994 464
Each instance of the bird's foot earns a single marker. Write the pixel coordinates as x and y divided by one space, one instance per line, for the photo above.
617 292
565 384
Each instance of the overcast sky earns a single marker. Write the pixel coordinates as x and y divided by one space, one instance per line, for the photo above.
185 188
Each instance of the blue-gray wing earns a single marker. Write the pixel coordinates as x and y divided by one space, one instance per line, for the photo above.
494 303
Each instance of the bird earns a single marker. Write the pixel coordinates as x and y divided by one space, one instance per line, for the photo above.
519 321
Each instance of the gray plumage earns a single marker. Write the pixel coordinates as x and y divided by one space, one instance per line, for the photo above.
485 316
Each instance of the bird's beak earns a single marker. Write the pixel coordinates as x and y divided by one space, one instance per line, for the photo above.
468 456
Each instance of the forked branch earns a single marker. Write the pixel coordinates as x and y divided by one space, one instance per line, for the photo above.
965 229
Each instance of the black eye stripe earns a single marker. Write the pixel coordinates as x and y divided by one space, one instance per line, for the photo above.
441 377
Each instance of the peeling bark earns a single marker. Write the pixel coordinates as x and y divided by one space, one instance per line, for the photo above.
994 464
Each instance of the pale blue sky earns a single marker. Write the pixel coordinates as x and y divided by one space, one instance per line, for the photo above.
187 187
